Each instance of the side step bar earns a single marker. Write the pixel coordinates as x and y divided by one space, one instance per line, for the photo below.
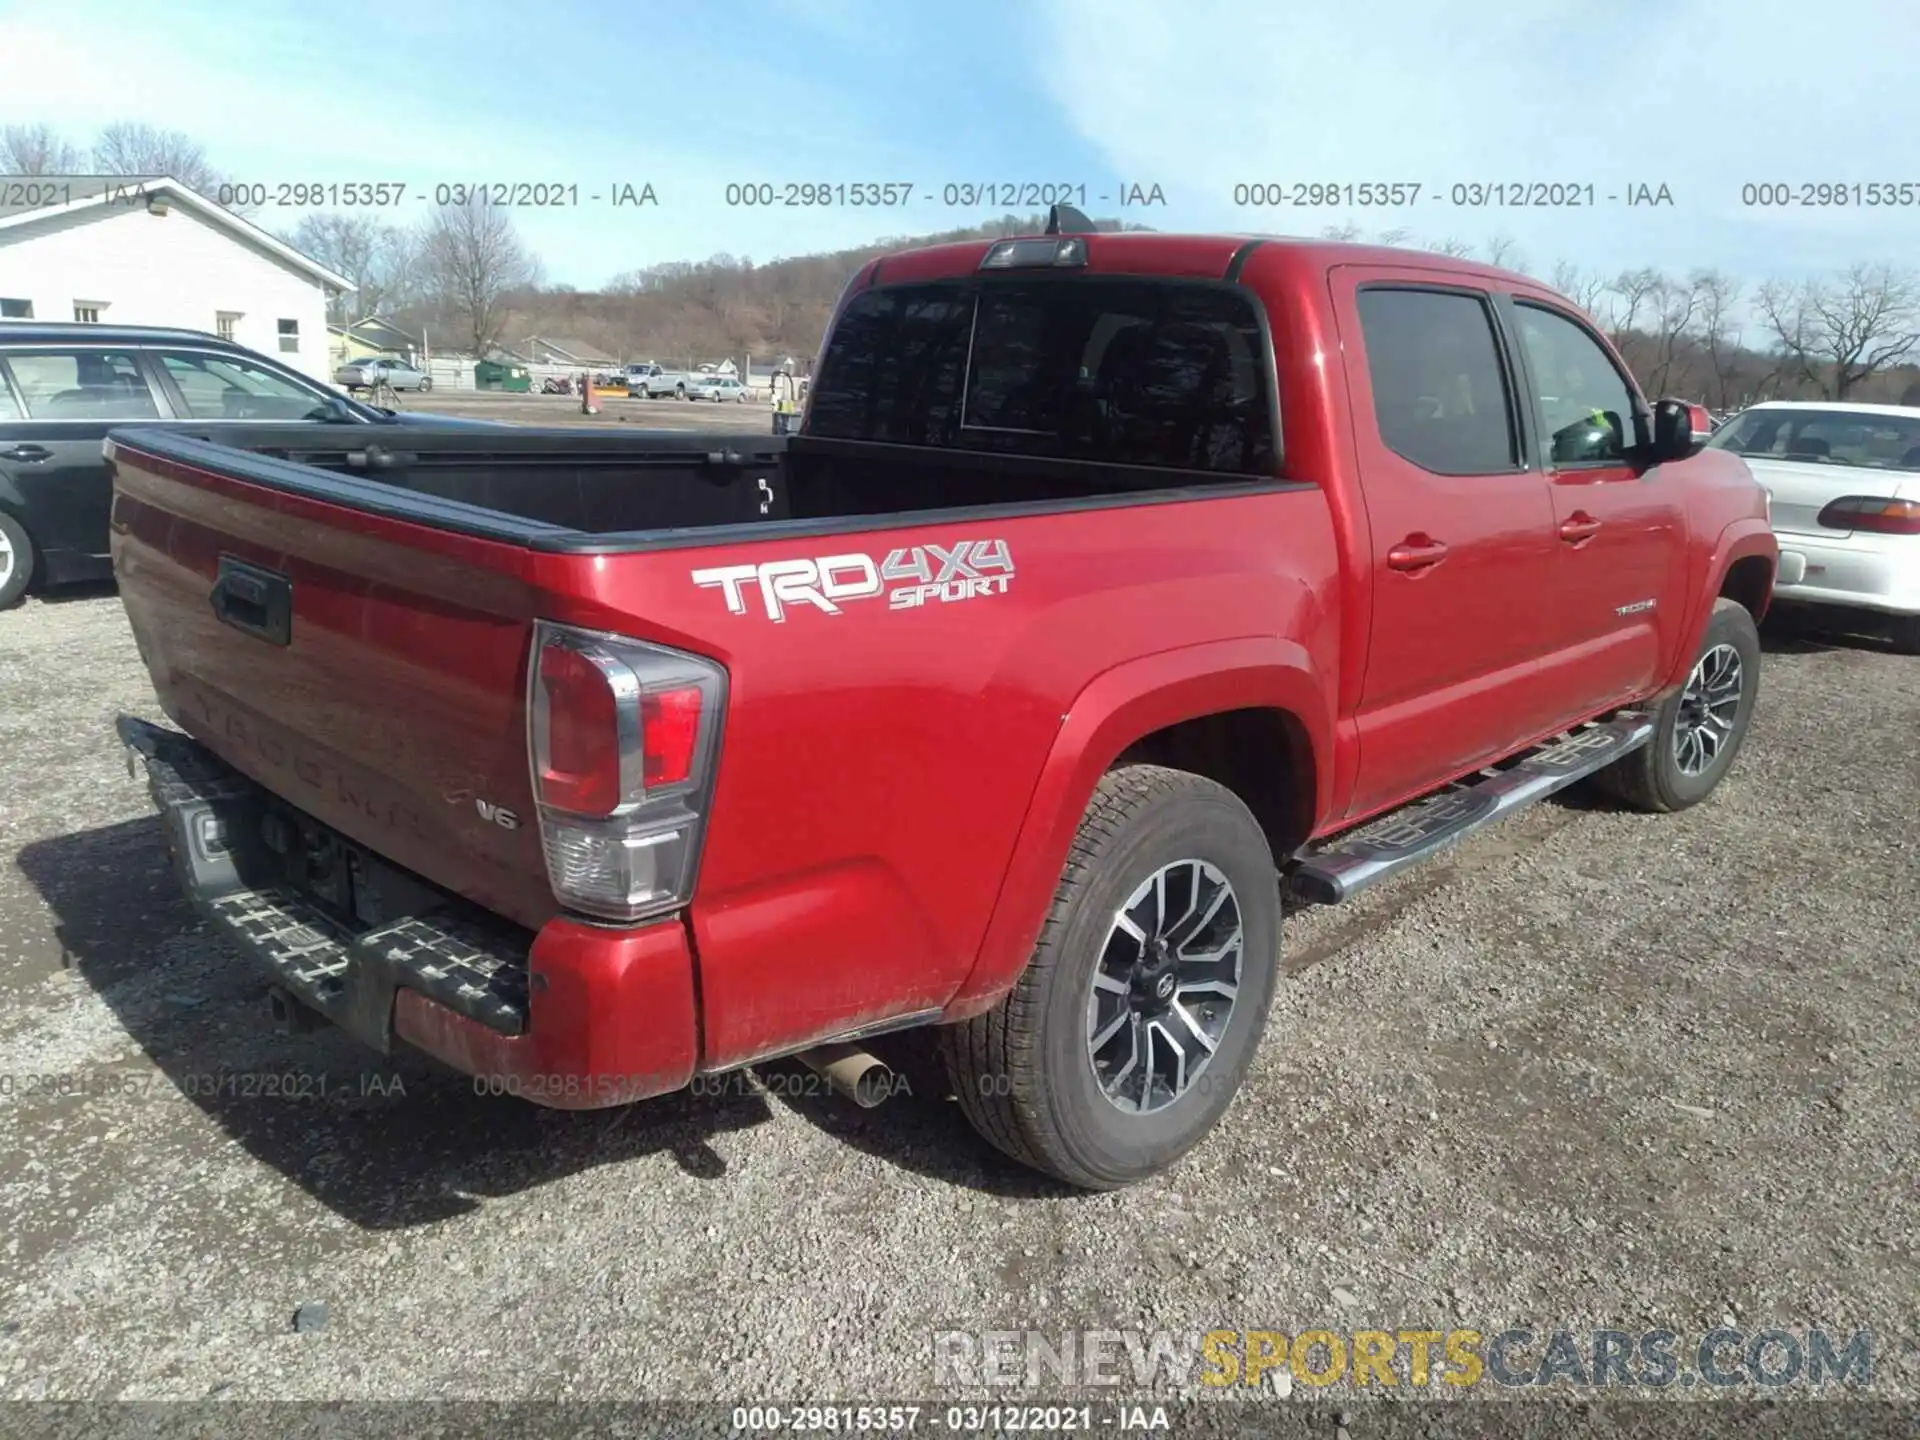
1381 848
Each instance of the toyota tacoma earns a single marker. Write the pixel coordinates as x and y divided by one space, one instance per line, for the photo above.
1110 587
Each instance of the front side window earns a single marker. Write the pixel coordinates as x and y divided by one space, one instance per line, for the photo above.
1130 372
1825 437
1440 394
1588 409
82 385
221 387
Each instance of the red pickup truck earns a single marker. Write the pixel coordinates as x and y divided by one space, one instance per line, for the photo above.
1111 585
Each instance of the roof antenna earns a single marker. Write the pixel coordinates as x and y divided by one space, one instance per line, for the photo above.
1065 220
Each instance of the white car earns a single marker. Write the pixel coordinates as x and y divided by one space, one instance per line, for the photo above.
1843 486
715 387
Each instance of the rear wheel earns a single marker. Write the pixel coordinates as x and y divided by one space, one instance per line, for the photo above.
1700 727
16 561
426 383
1134 1023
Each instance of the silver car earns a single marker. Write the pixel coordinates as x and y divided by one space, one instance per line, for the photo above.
367 374
715 387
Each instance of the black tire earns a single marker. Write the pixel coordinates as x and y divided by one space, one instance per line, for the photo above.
426 383
1653 778
19 561
1023 1071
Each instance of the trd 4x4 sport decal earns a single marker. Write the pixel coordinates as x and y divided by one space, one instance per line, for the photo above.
934 575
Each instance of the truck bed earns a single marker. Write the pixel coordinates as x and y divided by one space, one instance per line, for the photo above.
878 755
571 491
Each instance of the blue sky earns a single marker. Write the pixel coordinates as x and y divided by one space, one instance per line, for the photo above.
1195 96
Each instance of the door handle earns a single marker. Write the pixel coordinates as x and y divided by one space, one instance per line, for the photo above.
1579 526
1416 552
27 454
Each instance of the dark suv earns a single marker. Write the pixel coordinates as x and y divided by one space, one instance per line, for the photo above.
63 387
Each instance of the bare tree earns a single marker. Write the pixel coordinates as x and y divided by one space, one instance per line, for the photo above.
1835 334
382 260
1584 289
38 150
472 262
1503 252
1670 315
1717 332
1343 234
1458 249
131 148
1627 296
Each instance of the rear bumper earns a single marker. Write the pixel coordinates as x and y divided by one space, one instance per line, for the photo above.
575 1016
1864 572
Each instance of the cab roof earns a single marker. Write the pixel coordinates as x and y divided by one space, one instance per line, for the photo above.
1212 257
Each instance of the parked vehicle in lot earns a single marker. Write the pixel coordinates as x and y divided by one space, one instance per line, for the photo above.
650 382
63 386
1844 481
1107 578
382 370
716 387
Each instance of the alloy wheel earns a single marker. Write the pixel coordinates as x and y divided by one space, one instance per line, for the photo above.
1709 706
1164 987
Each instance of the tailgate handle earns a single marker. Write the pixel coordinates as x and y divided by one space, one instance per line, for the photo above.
254 600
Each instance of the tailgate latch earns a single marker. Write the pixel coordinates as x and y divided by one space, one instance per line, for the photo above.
254 600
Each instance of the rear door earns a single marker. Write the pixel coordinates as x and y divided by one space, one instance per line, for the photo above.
1620 526
1462 549
71 395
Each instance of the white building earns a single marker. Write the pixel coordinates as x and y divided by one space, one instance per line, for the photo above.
152 252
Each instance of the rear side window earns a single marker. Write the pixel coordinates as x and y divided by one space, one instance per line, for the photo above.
1440 394
82 385
1131 372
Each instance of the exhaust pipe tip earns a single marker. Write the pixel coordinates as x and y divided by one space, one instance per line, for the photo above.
864 1079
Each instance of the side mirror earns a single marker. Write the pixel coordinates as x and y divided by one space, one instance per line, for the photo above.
1680 430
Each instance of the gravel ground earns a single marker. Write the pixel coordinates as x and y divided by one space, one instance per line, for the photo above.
1591 1069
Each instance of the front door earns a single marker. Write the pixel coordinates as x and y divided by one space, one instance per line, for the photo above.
1620 581
1461 528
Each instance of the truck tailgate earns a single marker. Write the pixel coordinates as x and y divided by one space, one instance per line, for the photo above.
368 670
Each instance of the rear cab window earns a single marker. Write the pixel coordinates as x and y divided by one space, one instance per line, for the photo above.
1125 371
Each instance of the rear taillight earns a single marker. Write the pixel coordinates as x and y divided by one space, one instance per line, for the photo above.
622 739
1870 513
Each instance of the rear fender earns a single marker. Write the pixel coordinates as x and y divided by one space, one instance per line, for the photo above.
1116 709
